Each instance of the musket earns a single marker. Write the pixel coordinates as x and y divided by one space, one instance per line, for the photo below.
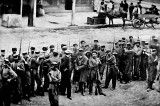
57 46
113 45
20 46
69 44
29 46
79 42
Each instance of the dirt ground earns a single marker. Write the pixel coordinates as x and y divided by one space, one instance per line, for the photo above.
132 94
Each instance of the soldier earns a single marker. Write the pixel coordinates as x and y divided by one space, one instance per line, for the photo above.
137 59
2 58
81 66
94 75
34 73
103 60
87 48
152 69
8 77
96 46
111 71
131 41
54 79
76 73
27 78
129 63
10 57
64 48
55 58
51 50
144 59
18 67
83 43
32 52
66 70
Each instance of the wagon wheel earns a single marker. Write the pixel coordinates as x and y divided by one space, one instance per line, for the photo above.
138 24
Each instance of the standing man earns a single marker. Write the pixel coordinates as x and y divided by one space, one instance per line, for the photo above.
111 71
152 69
125 8
94 75
10 57
131 8
103 60
137 61
81 66
83 44
51 50
66 70
129 63
96 46
54 80
32 52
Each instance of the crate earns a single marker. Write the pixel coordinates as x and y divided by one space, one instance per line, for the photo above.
96 20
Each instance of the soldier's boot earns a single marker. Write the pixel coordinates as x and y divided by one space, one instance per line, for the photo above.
82 89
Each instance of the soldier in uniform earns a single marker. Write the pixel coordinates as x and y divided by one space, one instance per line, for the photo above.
66 70
2 58
18 67
34 73
10 57
129 63
94 75
111 71
76 75
8 77
81 66
64 48
27 77
32 52
103 60
137 59
96 46
83 44
144 59
51 50
131 41
152 69
54 80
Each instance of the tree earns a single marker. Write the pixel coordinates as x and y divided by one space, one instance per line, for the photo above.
32 13
73 13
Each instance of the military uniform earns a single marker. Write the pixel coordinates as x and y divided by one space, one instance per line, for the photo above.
129 63
54 79
152 69
94 75
66 70
137 61
111 71
81 66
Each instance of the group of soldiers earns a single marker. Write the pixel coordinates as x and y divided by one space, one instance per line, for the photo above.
84 66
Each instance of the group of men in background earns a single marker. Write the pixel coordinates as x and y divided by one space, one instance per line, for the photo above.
83 66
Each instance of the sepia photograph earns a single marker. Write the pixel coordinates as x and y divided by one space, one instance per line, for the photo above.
79 52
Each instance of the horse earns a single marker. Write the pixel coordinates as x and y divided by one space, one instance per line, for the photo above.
120 13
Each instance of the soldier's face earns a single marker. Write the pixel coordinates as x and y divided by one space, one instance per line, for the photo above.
96 43
76 46
14 52
94 55
3 53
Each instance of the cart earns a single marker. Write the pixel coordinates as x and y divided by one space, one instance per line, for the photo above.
148 20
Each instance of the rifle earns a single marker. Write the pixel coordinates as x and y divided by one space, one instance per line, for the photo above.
20 46
29 47
69 44
113 44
